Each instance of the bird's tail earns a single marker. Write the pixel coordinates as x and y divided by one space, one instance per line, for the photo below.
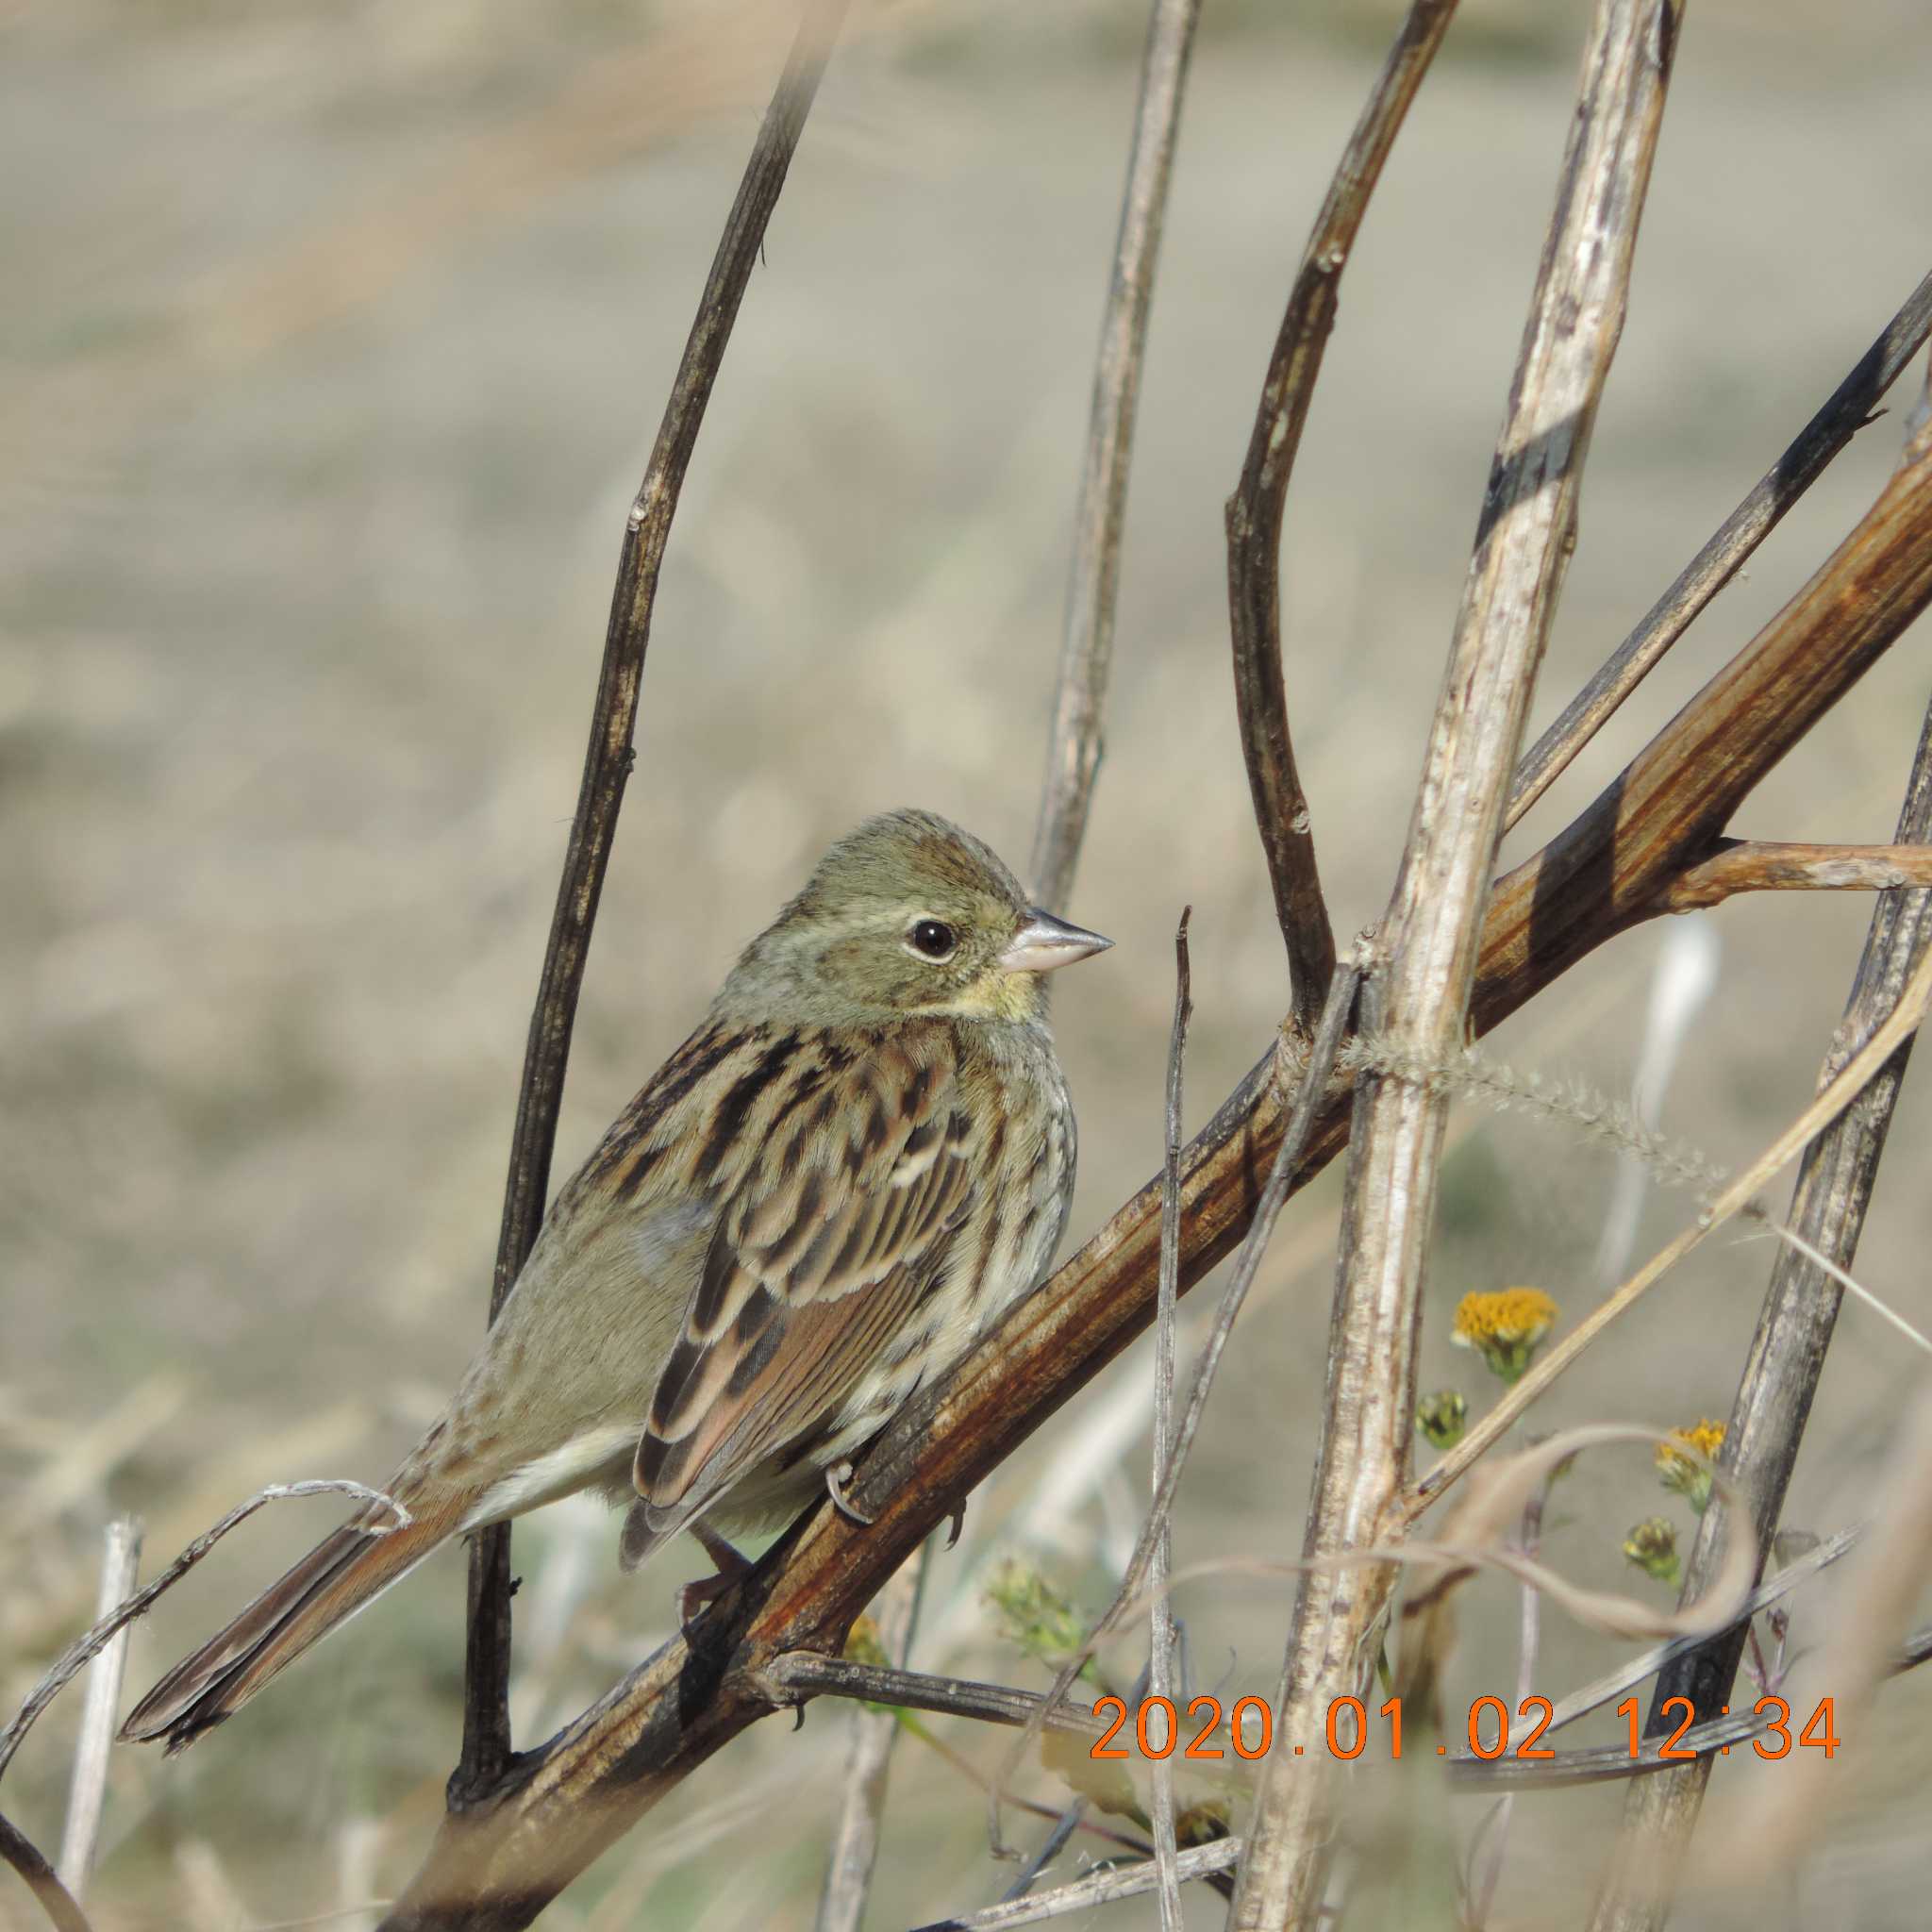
329 1586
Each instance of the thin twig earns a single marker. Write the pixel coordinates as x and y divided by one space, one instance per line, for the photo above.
1599 1763
1070 1820
953 1696
1844 1278
1610 1761
62 1908
1107 1834
1598 1692
485 1749
1074 746
1309 1093
1795 1330
855 1835
802 1673
1496 1841
1740 865
83 1650
87 1788
1064 1826
1845 413
1845 1089
1434 928
1254 513
1100 1889
1161 1675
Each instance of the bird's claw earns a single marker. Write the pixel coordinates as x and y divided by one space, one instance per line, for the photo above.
957 1524
836 1478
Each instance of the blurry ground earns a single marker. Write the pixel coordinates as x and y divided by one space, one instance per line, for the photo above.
334 340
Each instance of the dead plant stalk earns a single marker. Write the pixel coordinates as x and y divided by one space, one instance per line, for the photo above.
1417 991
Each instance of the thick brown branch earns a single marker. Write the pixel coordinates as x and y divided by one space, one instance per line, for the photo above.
1254 515
1678 794
1759 866
607 765
1073 749
1845 413
497 1866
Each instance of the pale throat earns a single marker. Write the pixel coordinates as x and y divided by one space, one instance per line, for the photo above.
997 995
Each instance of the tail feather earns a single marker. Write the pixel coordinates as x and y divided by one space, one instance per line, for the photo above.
342 1572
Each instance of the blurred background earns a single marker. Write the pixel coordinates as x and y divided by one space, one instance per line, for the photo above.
334 341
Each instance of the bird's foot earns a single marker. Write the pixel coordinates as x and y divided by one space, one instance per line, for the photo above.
957 1524
836 1478
731 1567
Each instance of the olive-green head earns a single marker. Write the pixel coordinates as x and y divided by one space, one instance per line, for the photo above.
908 916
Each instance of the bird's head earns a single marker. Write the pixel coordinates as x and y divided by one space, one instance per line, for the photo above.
907 917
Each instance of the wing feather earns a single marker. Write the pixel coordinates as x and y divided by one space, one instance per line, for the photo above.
842 1221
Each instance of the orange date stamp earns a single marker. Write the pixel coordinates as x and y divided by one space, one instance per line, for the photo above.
1250 1729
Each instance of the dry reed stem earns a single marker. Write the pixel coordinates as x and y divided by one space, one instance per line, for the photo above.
1074 742
1780 1378
1418 990
87 1788
1160 1641
861 1812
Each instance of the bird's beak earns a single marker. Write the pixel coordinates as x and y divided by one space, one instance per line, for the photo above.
1045 943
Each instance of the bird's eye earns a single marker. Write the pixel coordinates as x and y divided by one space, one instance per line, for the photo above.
932 939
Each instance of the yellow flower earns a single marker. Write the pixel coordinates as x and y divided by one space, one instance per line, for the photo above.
1651 1545
1675 1470
1506 1325
1441 1418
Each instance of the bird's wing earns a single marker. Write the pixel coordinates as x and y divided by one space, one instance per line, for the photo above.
843 1217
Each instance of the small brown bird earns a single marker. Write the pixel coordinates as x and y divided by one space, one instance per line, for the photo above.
825 1194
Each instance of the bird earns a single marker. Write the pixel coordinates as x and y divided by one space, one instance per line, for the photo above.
863 1155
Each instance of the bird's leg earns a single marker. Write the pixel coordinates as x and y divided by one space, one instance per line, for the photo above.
725 1560
836 1478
